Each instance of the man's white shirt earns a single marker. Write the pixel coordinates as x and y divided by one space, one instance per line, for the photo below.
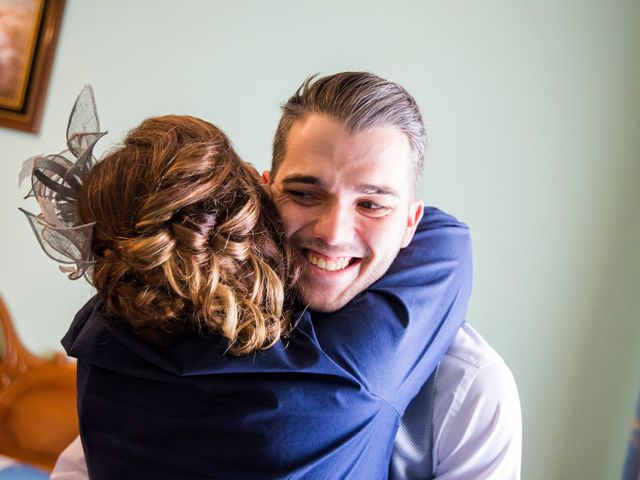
477 423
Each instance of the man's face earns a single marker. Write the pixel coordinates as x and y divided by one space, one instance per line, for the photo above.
346 204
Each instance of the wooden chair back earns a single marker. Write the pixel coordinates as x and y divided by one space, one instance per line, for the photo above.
38 414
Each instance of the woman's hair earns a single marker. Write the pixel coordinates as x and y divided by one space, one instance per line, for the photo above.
187 239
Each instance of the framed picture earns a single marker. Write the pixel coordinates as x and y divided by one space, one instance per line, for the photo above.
28 35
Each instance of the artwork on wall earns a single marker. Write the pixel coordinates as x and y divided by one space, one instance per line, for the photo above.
28 34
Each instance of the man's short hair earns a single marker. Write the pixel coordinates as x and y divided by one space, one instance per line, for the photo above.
359 100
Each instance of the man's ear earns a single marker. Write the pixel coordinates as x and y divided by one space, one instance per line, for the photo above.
266 176
416 209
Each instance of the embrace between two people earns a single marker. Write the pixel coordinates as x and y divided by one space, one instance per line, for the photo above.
216 347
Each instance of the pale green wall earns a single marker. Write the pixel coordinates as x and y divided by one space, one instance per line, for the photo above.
533 110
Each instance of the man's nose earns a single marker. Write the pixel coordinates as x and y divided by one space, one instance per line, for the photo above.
335 225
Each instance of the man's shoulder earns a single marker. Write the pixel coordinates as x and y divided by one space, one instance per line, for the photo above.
472 367
469 351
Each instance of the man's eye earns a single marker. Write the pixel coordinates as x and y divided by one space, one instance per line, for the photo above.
296 193
301 196
373 208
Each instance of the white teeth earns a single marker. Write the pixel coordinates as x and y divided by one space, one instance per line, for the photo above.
328 265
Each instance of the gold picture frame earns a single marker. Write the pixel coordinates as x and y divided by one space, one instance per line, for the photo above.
28 35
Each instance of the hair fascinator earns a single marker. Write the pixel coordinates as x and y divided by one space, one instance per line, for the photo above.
56 181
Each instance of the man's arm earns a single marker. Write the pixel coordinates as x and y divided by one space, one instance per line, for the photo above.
467 424
478 426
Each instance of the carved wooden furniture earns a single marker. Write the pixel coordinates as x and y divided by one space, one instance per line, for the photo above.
38 416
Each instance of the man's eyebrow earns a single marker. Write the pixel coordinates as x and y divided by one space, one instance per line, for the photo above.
308 179
376 190
364 188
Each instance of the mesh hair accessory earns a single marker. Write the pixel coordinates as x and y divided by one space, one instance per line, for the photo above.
56 181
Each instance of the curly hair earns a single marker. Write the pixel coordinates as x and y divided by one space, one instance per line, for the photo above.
187 239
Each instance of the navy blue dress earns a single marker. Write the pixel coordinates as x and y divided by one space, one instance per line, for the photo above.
325 403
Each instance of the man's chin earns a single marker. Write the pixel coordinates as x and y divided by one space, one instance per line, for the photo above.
320 304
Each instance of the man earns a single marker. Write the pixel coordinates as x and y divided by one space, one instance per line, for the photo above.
347 159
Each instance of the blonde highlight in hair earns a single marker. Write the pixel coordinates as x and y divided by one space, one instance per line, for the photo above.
187 239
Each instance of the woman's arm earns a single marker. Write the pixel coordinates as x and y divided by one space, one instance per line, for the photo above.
400 327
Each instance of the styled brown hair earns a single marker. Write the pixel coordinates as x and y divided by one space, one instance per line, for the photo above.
359 100
186 238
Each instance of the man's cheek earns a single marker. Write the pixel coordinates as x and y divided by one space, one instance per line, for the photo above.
291 220
289 228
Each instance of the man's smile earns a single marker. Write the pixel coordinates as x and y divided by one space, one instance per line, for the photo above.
330 264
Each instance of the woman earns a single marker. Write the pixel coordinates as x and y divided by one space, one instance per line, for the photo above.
190 363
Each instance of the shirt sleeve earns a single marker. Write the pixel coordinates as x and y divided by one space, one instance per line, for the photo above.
392 336
480 435
71 464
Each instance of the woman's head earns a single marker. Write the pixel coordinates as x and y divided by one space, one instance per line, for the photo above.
186 239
